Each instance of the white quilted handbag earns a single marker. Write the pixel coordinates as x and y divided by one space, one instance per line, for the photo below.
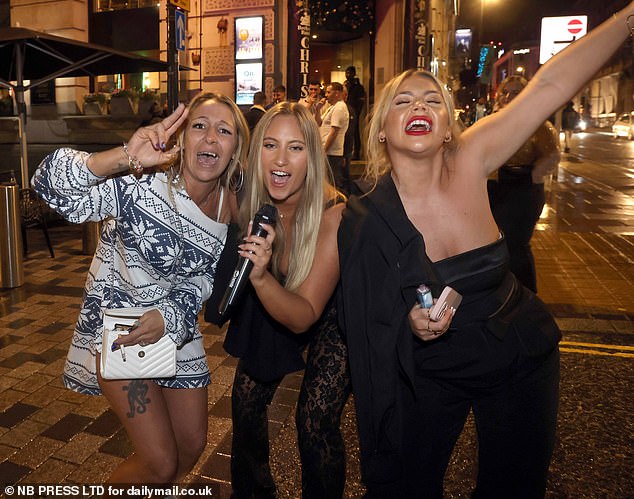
157 360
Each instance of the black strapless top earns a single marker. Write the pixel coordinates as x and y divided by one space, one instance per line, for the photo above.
497 320
475 271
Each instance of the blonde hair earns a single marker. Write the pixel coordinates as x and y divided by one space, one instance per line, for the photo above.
238 159
318 190
502 87
378 159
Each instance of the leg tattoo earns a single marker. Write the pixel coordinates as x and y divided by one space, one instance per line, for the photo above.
137 391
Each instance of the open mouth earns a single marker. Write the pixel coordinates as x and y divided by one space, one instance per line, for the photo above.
208 155
279 177
418 126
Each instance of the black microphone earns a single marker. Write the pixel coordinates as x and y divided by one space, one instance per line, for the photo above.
266 214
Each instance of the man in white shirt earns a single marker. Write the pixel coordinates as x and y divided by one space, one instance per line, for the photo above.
333 122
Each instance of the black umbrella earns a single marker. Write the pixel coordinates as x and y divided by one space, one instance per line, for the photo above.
40 58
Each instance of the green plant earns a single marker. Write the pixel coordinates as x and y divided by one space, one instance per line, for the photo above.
149 94
96 97
124 92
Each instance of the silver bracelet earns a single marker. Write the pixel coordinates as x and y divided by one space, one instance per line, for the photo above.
134 165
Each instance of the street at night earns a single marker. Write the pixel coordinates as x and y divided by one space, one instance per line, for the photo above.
584 248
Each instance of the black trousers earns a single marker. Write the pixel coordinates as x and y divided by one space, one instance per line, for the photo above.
517 203
515 415
322 397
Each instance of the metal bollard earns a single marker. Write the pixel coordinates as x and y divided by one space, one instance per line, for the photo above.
11 263
90 234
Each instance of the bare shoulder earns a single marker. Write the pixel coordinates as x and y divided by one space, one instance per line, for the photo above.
332 218
334 212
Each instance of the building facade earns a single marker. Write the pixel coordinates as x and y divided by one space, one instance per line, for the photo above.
378 37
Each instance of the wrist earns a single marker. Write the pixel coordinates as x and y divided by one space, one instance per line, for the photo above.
134 165
259 281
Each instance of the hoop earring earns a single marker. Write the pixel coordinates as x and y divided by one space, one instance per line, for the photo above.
447 139
235 184
382 139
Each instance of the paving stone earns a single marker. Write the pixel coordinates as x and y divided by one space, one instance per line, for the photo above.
37 451
11 472
80 448
67 427
16 414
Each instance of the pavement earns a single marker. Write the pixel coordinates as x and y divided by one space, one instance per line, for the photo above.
584 249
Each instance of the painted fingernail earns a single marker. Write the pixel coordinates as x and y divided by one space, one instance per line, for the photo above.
163 146
157 146
114 347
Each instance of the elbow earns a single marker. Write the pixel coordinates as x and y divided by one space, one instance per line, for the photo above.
300 327
303 324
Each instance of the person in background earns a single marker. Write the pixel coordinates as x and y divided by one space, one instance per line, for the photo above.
287 305
311 101
356 100
160 249
481 109
333 122
348 141
256 111
517 197
279 95
569 122
427 220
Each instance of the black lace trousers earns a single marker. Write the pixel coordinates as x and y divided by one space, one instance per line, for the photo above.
323 394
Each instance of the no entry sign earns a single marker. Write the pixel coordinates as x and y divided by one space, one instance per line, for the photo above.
559 32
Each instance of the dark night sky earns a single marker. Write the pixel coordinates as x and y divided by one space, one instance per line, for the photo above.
516 21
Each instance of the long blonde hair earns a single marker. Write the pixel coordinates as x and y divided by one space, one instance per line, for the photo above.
378 158
318 190
238 159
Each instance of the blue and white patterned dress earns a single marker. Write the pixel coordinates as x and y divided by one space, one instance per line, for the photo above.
156 249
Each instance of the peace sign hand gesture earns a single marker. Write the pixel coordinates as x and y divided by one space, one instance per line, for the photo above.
148 144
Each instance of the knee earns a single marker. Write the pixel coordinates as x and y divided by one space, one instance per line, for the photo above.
190 452
199 447
163 466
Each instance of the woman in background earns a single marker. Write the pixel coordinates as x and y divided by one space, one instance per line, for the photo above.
517 197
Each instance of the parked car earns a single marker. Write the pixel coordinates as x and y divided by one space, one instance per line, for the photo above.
624 126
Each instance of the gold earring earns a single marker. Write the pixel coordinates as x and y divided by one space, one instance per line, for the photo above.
447 138
381 139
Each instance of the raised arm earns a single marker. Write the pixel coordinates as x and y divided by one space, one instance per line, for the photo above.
494 139
299 309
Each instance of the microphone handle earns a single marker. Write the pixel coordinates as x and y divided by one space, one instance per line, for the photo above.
239 278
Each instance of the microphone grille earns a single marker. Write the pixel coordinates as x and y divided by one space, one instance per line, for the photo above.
266 214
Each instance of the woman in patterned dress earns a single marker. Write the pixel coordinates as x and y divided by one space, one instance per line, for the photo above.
159 248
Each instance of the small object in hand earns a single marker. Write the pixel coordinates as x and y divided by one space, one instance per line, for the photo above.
134 165
423 293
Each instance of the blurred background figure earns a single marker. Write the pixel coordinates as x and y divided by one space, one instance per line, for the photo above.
279 95
314 95
356 100
256 111
569 122
481 109
333 122
517 197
